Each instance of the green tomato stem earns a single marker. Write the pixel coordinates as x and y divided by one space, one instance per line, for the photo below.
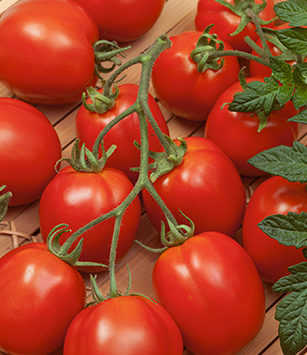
237 53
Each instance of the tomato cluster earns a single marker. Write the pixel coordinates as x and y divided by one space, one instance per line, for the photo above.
209 287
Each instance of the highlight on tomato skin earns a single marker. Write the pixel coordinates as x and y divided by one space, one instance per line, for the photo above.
276 195
30 148
211 287
40 295
123 325
122 20
236 133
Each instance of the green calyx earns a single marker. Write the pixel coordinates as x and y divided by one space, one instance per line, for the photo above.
83 160
4 202
163 162
61 251
244 9
206 45
100 102
107 52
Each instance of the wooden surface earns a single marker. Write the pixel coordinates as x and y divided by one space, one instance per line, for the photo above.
177 16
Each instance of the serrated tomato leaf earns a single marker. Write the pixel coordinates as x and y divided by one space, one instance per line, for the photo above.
292 11
294 39
300 117
288 162
290 229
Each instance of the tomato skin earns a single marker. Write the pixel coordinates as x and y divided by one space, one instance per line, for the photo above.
274 196
30 148
40 295
199 188
89 124
76 198
181 88
236 132
213 291
123 20
226 22
132 325
60 64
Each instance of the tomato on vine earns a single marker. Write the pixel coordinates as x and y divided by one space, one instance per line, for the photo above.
89 124
40 295
203 282
237 134
185 86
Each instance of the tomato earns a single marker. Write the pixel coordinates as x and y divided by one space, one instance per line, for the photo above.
123 20
206 187
40 295
76 198
226 22
46 50
236 133
274 196
131 325
30 148
256 68
89 124
212 289
181 88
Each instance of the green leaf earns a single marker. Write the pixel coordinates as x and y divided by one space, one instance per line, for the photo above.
292 11
290 229
300 84
288 162
294 39
257 96
300 117
291 312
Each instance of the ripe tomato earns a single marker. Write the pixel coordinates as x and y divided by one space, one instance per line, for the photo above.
212 289
123 325
40 295
236 132
123 20
89 124
262 70
206 187
29 150
226 22
274 196
181 88
76 198
46 50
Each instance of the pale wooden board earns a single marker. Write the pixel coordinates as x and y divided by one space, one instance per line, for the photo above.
177 16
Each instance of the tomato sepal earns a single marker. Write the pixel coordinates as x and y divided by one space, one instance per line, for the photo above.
100 102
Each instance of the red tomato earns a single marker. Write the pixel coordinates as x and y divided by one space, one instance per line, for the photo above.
206 187
46 50
236 132
40 295
29 150
129 325
274 196
89 124
76 198
123 20
256 68
226 22
181 88
212 289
